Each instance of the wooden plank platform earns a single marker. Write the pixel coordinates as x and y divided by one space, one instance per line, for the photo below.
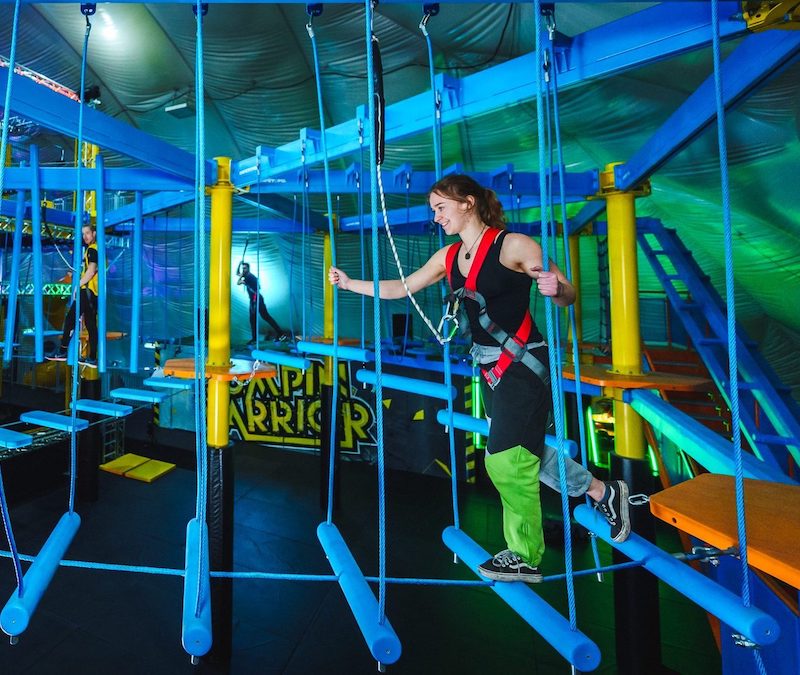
705 507
239 369
667 381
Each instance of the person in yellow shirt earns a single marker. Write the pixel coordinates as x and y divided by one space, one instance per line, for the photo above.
89 292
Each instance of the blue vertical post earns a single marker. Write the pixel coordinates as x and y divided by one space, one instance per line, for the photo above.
36 246
13 283
136 285
101 264
196 631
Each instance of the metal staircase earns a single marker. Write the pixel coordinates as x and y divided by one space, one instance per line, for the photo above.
770 418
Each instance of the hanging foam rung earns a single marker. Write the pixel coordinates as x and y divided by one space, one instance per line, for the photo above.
573 645
481 426
409 384
342 351
381 639
196 629
281 359
11 440
714 598
19 609
103 408
143 395
169 383
53 420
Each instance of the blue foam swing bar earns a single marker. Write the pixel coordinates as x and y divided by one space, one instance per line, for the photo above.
19 609
480 426
281 359
381 639
715 599
408 384
196 634
342 351
573 645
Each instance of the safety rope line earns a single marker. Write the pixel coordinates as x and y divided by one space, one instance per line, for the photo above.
730 303
436 126
74 350
332 237
576 361
555 370
304 241
201 284
258 246
374 179
291 269
12 543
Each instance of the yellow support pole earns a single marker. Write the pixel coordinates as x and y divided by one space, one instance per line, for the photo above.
219 311
626 352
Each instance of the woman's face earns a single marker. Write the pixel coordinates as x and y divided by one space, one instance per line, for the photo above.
450 214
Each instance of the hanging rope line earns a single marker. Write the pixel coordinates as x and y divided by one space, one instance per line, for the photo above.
201 283
730 304
316 10
376 157
555 369
576 361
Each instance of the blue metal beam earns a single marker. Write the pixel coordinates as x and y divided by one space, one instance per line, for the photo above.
161 201
59 113
332 2
757 58
651 35
176 224
64 179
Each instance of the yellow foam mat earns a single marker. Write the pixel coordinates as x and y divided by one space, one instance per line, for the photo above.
150 470
121 465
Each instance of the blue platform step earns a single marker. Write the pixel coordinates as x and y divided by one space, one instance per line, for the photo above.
11 440
169 383
103 408
142 395
53 420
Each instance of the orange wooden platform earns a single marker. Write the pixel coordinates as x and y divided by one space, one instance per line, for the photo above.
239 369
705 507
603 377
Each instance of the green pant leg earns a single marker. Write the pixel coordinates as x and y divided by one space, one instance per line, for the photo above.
515 474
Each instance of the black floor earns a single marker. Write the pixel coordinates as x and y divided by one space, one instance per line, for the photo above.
97 622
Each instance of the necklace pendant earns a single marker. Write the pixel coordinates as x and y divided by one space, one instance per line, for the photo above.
467 256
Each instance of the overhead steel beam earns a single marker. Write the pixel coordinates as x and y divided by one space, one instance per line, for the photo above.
58 113
161 201
65 178
653 34
756 59
332 2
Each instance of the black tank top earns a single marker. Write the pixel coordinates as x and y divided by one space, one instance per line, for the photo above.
507 294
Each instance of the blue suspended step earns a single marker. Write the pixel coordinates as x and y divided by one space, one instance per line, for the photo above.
281 359
142 395
50 420
408 384
104 408
12 440
169 383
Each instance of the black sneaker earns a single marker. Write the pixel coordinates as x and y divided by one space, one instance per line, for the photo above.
283 337
59 354
614 507
508 566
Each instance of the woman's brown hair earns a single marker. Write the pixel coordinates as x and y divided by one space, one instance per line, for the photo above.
458 187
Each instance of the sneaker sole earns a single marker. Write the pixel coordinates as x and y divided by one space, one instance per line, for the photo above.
624 514
497 576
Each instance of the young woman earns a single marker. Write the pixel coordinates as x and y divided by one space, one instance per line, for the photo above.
516 386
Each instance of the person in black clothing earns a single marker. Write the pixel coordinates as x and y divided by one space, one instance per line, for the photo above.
515 390
257 306
89 291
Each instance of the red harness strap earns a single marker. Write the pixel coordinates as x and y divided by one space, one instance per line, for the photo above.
510 353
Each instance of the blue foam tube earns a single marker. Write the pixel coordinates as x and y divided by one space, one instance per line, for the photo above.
281 359
573 645
409 384
381 639
19 609
481 426
715 599
196 630
342 351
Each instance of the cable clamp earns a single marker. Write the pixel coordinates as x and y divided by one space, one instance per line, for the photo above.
638 500
744 641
